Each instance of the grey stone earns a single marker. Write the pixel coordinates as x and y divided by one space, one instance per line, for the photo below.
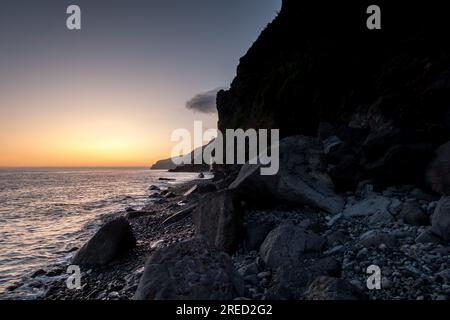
413 214
438 172
441 219
375 239
328 288
368 207
429 237
290 282
287 244
219 218
301 178
188 270
382 217
113 239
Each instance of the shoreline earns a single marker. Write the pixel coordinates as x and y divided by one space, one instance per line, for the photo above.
373 230
123 274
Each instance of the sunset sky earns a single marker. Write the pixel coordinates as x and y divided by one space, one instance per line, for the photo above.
112 93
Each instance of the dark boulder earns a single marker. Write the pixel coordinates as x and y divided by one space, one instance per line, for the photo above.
113 239
301 178
288 244
438 172
413 214
188 270
441 219
219 218
290 282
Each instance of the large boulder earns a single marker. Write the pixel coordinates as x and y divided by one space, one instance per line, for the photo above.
113 239
328 288
287 244
413 214
438 172
188 270
441 219
219 218
290 282
301 178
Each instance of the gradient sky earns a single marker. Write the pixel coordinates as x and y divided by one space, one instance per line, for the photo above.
112 93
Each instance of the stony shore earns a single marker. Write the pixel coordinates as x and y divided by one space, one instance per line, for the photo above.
347 246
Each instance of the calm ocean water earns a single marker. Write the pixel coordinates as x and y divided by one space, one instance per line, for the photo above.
46 212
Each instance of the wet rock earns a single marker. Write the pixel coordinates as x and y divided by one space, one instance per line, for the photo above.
328 288
413 214
188 270
441 219
301 178
113 239
219 218
287 244
154 188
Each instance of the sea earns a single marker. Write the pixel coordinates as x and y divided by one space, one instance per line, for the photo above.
46 213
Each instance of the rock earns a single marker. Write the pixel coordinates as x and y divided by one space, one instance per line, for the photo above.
337 238
180 215
207 187
438 171
441 219
287 244
167 179
290 282
368 207
257 231
188 270
301 178
113 239
429 237
170 195
219 218
328 288
248 270
38 273
382 217
138 214
191 191
375 239
201 175
413 214
330 143
114 295
154 188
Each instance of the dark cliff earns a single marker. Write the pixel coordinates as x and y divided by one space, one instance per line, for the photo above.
384 93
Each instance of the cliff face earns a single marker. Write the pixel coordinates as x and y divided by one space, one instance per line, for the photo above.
384 93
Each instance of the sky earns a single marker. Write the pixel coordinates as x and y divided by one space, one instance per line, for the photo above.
112 93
